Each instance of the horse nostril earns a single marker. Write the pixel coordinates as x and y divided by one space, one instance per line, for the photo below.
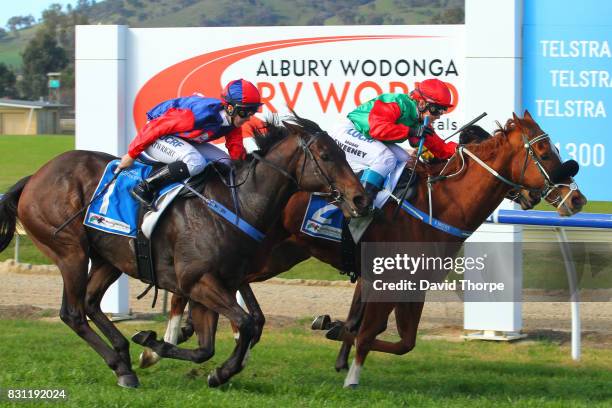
578 202
361 201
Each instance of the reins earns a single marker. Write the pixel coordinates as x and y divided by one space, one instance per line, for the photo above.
548 187
334 193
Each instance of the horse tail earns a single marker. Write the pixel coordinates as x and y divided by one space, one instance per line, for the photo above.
8 212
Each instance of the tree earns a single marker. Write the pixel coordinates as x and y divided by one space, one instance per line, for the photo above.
42 55
8 81
18 22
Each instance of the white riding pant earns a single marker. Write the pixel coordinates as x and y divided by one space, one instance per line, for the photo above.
363 153
196 156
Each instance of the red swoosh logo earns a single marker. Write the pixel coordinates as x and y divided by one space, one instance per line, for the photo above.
203 73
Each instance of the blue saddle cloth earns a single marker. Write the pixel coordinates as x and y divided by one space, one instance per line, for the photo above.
322 219
115 211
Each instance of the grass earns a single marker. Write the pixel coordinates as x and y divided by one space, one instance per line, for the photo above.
22 155
12 46
293 367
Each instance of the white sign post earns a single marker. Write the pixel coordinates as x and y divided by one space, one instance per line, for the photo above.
101 113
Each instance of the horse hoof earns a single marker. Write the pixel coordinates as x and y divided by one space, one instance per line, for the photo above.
128 381
335 333
214 378
321 323
148 358
144 337
351 386
341 367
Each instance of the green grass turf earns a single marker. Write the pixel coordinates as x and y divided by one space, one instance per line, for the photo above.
22 155
294 367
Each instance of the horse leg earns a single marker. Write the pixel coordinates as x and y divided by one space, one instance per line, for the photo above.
254 310
187 330
205 325
210 292
101 276
74 273
148 357
407 316
374 321
349 328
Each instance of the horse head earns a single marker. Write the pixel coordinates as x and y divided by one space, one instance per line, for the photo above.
538 167
476 134
317 164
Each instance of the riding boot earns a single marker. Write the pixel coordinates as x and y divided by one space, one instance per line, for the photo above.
146 191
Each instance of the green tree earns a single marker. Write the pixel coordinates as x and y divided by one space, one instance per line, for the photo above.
41 55
8 81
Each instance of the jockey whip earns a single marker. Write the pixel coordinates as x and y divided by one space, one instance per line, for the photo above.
470 123
413 174
106 186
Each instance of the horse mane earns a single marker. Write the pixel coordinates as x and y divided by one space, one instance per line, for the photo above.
269 134
273 132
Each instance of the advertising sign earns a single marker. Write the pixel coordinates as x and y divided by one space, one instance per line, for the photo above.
320 72
566 67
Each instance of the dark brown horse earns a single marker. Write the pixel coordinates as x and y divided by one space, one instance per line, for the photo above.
453 202
198 255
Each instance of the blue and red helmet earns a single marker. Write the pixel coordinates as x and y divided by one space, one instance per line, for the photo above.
241 93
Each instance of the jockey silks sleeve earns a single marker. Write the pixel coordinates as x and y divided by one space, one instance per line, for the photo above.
389 117
194 118
386 117
235 145
173 121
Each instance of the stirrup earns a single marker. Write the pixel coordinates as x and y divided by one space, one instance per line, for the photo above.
149 205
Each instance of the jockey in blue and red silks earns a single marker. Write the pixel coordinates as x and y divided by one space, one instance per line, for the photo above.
388 119
178 132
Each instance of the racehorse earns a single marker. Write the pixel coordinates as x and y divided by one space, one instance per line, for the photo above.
520 152
197 254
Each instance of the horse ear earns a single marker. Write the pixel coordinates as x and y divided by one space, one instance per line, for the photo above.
292 127
528 116
516 119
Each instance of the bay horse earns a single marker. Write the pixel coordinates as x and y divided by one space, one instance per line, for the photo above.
463 207
198 255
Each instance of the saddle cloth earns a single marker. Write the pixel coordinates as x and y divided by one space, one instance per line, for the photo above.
324 220
116 212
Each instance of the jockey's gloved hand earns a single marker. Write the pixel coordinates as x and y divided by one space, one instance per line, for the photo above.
413 134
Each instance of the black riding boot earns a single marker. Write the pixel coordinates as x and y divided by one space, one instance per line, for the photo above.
146 191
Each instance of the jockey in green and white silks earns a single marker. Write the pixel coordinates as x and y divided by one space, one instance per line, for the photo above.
393 118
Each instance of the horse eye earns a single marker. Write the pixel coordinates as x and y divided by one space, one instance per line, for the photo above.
545 157
325 156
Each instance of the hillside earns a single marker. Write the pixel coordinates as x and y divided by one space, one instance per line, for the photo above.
196 13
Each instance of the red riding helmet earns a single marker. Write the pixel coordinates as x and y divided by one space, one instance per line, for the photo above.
241 93
433 91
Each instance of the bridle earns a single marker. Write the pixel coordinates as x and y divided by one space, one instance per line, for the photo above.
333 192
548 187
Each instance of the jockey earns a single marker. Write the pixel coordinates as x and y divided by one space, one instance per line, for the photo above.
393 118
178 132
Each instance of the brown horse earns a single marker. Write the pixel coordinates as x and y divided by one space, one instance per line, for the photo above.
197 254
466 209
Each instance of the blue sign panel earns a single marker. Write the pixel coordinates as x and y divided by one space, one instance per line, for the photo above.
567 83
